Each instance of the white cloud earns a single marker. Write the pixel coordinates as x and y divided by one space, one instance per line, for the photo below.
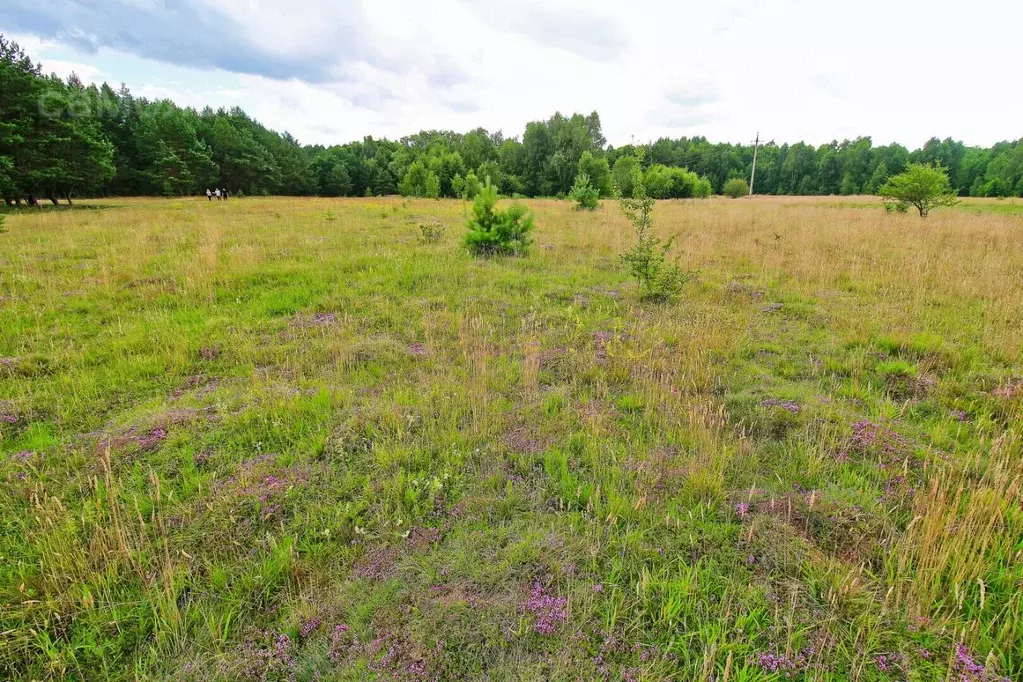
87 72
898 70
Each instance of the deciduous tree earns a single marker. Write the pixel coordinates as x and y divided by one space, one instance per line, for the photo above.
923 186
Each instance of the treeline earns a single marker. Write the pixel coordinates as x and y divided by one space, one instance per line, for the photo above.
59 139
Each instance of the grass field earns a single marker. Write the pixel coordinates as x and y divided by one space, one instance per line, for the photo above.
296 439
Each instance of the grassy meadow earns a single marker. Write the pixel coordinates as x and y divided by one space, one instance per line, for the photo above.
311 439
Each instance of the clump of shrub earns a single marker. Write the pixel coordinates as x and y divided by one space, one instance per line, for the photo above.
666 182
735 188
702 189
584 194
659 278
494 232
430 232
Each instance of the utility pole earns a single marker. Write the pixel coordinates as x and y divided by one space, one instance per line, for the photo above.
753 173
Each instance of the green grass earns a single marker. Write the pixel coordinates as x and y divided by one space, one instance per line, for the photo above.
308 439
1010 207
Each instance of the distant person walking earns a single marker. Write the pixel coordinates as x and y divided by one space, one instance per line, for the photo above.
209 194
217 192
226 195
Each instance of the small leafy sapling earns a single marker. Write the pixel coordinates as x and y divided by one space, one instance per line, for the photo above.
490 231
660 279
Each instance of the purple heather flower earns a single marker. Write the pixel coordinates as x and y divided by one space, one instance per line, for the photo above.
153 438
548 610
966 665
310 626
787 405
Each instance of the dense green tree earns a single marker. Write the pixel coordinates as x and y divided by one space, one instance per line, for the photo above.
598 171
414 182
432 189
492 170
627 176
170 157
446 165
50 144
22 154
472 186
877 178
477 147
947 153
244 163
552 150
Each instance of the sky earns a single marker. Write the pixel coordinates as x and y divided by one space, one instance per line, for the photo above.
330 72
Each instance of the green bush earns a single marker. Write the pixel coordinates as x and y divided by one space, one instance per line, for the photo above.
584 194
703 189
735 188
667 182
659 279
494 232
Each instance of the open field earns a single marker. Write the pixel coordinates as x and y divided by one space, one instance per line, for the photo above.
293 439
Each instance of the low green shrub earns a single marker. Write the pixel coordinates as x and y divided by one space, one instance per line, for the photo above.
667 182
494 232
735 188
584 194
